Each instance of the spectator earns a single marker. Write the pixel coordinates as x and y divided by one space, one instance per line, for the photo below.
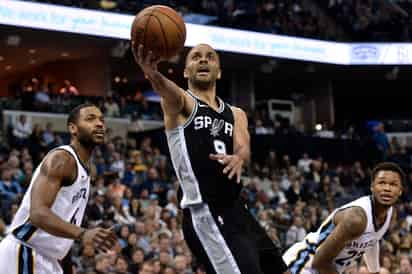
102 265
111 108
48 135
181 265
87 261
381 140
121 265
296 232
69 89
405 265
304 163
10 190
22 129
147 268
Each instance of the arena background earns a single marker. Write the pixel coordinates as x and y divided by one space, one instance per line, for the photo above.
318 122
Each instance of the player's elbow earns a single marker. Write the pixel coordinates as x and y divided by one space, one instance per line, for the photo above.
38 216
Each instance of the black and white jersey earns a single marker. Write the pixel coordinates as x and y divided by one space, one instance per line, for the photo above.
205 132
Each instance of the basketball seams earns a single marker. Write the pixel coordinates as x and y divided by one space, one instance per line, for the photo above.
181 32
164 37
145 30
166 46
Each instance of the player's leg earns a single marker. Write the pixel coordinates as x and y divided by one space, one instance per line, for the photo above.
196 246
269 256
200 226
16 258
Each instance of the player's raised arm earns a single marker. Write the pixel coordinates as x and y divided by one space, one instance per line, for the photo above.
350 224
173 97
56 171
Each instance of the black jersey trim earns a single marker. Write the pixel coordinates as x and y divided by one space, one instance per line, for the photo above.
25 260
80 161
221 107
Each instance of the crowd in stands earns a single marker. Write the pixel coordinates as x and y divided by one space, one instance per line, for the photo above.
134 189
362 20
35 95
371 20
280 17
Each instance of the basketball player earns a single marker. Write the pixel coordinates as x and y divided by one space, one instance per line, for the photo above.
52 209
351 231
209 143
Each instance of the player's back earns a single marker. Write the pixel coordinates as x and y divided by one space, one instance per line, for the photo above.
206 132
70 205
300 256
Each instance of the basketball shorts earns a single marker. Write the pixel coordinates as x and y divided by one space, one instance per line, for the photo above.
17 258
229 240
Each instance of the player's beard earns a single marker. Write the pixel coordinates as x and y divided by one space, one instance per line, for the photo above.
203 84
85 138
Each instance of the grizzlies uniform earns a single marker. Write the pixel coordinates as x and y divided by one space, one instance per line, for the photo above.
218 228
299 257
28 249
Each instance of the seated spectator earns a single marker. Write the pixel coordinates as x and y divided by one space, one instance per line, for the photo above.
42 99
111 108
181 265
102 265
69 89
10 190
22 129
137 257
147 268
48 135
405 265
121 265
296 232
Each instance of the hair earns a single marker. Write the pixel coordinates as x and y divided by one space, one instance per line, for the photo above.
121 258
75 112
389 166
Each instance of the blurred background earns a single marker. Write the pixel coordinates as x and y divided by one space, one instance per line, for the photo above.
318 124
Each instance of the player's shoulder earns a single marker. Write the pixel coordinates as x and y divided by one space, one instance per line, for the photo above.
237 110
354 220
59 160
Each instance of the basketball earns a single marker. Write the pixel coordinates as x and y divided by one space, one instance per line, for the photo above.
159 29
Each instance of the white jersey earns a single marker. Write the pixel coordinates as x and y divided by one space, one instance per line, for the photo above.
299 257
70 205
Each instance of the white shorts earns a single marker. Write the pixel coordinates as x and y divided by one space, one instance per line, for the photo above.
16 258
298 259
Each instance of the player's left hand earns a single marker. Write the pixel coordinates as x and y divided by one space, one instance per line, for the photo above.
233 164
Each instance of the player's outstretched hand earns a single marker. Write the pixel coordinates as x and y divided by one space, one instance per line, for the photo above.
102 238
233 164
147 63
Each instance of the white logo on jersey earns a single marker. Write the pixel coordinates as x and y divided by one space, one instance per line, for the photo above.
203 105
215 126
